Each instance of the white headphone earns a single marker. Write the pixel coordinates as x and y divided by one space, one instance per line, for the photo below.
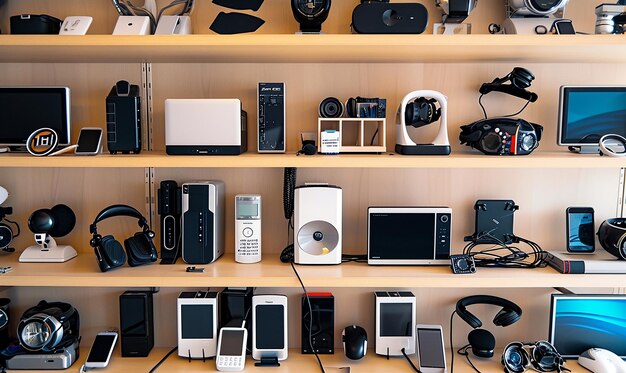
608 141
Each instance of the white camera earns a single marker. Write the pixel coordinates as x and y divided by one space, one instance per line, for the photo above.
536 7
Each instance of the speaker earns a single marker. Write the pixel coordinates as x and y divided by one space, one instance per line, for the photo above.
317 224
136 323
319 323
123 111
375 17
169 212
202 221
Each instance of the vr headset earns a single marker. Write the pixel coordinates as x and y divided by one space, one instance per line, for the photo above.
612 236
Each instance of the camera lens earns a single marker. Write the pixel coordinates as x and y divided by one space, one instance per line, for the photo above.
331 107
492 142
543 6
528 143
514 361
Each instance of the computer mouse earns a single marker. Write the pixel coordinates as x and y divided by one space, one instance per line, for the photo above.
599 360
354 340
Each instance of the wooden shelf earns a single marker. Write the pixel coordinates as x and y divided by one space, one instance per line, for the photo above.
83 272
537 160
313 48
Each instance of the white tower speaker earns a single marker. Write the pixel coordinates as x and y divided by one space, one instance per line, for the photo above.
317 224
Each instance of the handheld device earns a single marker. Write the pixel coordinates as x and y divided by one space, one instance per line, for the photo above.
580 230
430 349
269 335
89 141
231 349
247 228
271 119
101 350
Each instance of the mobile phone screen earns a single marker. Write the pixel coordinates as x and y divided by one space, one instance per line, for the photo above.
232 342
89 141
430 348
102 345
269 326
581 232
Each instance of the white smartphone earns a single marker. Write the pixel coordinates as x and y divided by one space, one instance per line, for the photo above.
431 354
89 141
101 350
231 350
269 333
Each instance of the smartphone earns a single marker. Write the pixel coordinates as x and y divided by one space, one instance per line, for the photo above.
89 141
269 333
231 350
580 230
101 350
431 354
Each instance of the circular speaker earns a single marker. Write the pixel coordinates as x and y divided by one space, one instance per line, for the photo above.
318 238
482 341
64 220
331 107
6 236
41 221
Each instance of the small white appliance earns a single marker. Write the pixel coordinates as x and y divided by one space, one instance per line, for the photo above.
395 319
247 228
76 25
132 25
197 324
173 25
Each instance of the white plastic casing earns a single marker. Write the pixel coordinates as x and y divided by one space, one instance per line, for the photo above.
261 301
247 230
392 346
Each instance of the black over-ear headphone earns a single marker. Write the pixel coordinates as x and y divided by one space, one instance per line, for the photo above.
48 326
520 78
109 251
421 112
481 340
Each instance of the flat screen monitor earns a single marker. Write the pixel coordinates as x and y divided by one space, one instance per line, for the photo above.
589 112
24 110
580 322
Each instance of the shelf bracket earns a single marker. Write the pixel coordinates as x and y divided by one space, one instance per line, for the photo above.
564 291
150 193
146 106
621 202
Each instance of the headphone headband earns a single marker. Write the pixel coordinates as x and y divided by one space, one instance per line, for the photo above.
468 317
118 210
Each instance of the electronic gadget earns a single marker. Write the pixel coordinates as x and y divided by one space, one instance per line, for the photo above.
270 327
430 350
612 146
454 14
609 18
109 252
235 23
174 25
123 114
317 224
563 27
612 235
136 323
536 7
599 360
4 323
89 141
235 305
35 24
330 142
6 231
272 125
481 341
408 235
44 141
539 356
169 211
132 25
365 107
318 323
247 228
586 113
197 324
395 317
46 224
493 222
48 327
76 25
231 350
101 350
529 25
598 262
462 264
330 107
62 358
24 110
4 195
202 221
253 5
310 14
354 340
581 322
205 127
532 16
379 17
419 109
580 230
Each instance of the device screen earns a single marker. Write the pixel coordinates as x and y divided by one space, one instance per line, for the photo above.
232 343
581 235
565 28
270 327
396 320
430 348
247 209
393 236
197 321
101 347
89 140
133 323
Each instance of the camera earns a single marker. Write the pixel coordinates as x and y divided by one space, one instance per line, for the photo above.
536 7
610 18
364 107
502 136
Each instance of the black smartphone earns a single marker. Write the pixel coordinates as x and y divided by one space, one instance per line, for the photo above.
580 230
89 141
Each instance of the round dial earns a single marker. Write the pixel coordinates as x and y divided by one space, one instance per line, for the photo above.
545 5
528 143
492 142
311 8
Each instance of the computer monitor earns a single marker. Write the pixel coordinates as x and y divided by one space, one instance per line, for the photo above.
586 113
24 110
580 322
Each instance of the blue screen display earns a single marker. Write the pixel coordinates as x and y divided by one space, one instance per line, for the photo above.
589 113
581 233
580 323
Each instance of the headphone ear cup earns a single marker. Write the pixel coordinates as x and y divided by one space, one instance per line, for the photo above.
112 252
351 107
140 249
482 342
521 77
506 317
469 318
64 220
41 221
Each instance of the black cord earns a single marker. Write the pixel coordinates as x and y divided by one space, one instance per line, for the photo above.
519 112
163 360
504 255
306 295
17 227
374 136
409 360
463 351
480 102
451 346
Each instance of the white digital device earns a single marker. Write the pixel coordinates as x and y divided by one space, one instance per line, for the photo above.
395 317
231 350
76 25
89 141
173 25
269 333
431 355
247 228
101 350
132 25
197 324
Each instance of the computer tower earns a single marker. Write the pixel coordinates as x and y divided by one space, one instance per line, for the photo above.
136 323
169 213
202 221
123 111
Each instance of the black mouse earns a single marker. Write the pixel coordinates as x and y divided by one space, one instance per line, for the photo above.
354 342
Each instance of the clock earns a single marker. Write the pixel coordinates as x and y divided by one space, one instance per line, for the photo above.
310 14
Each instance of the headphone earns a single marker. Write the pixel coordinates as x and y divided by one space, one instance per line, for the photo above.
422 111
56 222
612 234
520 78
541 355
609 140
48 326
109 251
481 340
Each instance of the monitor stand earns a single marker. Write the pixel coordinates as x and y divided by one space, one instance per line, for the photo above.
585 149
